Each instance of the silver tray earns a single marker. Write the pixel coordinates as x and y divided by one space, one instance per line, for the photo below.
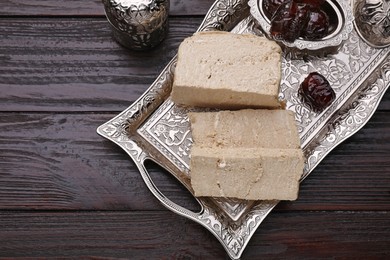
154 128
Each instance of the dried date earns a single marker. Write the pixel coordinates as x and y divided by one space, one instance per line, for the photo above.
291 19
317 26
317 91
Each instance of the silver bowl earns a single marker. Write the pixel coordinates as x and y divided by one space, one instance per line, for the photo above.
341 19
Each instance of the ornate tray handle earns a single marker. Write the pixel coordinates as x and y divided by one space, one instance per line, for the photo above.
160 196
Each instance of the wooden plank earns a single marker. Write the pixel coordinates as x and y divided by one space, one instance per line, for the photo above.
75 65
57 161
88 7
163 235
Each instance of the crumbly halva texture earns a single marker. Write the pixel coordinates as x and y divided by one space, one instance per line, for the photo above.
246 154
246 173
246 128
226 70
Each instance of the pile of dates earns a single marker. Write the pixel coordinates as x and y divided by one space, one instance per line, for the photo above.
293 19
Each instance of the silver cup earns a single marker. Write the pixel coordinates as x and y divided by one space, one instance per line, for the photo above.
138 24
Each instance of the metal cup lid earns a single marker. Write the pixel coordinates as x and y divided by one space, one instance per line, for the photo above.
143 16
138 24
139 4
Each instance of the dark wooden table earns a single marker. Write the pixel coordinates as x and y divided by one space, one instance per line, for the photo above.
66 192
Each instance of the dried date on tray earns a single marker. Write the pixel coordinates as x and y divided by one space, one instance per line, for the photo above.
317 91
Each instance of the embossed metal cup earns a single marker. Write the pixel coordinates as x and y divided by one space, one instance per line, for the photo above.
373 21
138 24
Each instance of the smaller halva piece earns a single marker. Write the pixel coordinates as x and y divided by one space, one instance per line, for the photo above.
227 70
246 154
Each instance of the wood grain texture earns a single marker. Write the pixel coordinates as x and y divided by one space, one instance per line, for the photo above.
50 64
57 161
76 8
48 70
161 235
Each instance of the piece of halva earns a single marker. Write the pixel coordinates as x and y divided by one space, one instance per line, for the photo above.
226 70
246 154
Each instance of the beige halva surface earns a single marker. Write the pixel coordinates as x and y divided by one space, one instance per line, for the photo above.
226 70
246 154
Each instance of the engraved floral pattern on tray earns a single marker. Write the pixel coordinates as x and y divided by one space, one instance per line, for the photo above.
155 128
354 58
